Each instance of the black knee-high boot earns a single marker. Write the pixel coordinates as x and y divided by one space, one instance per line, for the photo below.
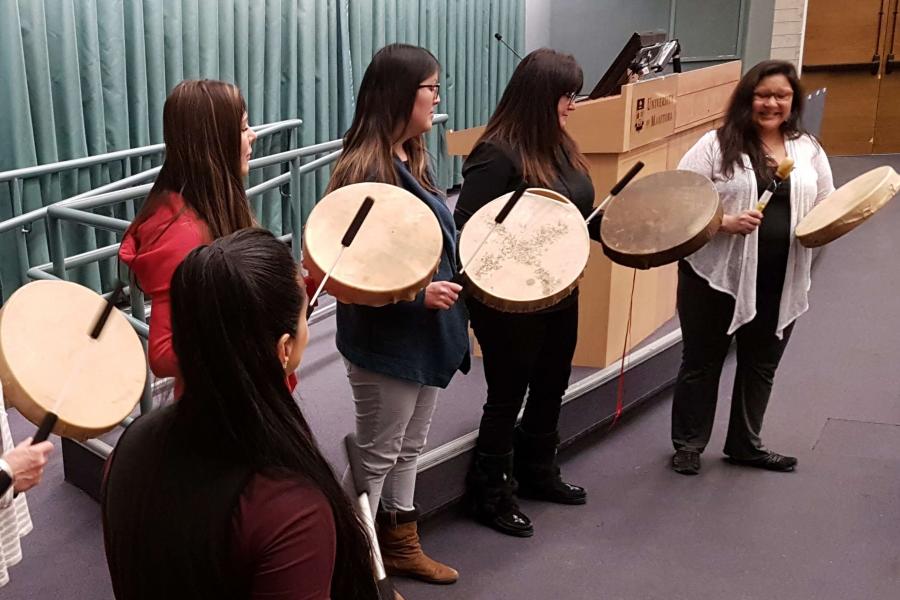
491 490
537 472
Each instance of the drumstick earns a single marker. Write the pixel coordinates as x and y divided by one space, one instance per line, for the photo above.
361 486
50 419
351 232
616 189
784 169
501 216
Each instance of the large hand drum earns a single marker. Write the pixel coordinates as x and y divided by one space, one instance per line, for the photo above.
49 361
661 218
393 256
533 259
848 206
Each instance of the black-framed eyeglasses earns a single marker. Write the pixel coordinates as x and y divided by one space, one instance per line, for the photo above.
434 87
572 96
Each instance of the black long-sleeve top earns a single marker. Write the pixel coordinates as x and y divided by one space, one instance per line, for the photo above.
494 169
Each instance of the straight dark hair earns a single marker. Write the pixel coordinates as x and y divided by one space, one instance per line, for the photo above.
202 131
231 302
739 135
526 118
384 105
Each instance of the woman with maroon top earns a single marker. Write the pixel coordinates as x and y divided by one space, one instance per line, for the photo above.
197 197
225 494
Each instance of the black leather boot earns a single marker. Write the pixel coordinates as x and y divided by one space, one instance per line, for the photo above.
491 489
537 472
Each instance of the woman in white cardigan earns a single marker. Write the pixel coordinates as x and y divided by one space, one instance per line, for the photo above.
751 280
25 465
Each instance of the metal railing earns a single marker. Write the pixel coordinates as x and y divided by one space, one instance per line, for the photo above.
22 222
78 209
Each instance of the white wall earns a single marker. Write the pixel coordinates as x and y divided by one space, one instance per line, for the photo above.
787 30
537 24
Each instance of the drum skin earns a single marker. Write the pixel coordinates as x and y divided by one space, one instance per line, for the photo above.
847 207
393 257
49 362
660 219
533 259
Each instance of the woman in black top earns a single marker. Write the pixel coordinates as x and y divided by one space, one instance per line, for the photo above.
525 140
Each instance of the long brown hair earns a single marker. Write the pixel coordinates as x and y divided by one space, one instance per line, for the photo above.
739 135
526 118
384 105
202 131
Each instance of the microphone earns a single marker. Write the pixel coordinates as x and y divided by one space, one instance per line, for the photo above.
500 39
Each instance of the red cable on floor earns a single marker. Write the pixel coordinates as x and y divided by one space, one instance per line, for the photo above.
620 388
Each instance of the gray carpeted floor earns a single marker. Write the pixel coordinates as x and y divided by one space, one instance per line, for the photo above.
828 531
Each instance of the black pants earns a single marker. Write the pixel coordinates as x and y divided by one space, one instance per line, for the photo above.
705 315
531 353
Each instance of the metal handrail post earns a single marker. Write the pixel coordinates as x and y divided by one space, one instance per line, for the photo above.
57 246
296 217
21 241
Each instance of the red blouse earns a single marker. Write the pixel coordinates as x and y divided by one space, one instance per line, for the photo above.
153 251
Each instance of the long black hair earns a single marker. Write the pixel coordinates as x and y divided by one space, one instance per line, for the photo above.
384 105
231 303
739 135
527 120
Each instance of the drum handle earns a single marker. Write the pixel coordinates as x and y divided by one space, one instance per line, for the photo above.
626 179
784 169
501 216
349 235
107 310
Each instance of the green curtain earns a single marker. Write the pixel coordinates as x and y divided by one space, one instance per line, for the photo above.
84 77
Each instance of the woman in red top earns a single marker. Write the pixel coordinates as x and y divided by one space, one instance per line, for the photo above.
198 197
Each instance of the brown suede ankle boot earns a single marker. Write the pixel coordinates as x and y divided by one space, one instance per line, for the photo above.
398 538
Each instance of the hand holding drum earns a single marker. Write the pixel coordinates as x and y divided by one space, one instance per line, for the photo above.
744 223
442 295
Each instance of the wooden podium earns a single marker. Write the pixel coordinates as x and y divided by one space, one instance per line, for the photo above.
655 121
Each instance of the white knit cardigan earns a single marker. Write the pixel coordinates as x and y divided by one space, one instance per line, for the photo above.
728 262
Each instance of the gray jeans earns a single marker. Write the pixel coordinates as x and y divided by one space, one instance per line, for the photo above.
392 421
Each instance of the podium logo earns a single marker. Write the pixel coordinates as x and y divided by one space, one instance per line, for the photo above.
639 115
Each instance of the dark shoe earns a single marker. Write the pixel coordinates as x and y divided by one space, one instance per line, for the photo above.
686 462
401 552
491 489
537 472
771 462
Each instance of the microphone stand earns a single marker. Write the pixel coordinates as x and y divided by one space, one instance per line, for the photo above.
500 39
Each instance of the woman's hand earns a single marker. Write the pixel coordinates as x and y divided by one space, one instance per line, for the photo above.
27 463
441 294
743 223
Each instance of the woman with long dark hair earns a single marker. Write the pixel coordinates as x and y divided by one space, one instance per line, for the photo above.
399 356
225 493
525 141
751 281
198 196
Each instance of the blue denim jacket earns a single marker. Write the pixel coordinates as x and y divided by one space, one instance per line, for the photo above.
407 340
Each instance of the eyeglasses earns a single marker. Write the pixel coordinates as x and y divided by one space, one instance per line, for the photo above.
434 87
572 97
778 97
